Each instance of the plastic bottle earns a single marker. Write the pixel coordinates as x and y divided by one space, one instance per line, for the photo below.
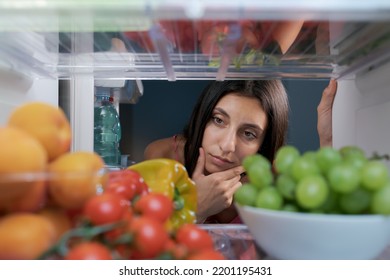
107 128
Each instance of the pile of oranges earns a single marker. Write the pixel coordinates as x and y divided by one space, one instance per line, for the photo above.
59 204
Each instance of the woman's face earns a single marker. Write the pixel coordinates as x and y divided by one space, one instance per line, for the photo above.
235 130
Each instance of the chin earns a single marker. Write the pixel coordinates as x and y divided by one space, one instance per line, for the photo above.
210 169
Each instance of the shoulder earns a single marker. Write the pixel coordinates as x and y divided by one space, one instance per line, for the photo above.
172 147
160 148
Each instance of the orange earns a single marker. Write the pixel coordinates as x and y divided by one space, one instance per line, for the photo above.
25 236
45 122
59 218
76 178
20 153
31 200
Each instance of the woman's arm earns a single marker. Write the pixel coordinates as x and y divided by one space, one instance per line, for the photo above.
324 111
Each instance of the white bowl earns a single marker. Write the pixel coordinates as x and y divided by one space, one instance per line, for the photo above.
304 236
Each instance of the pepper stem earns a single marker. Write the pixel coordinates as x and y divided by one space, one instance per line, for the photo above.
178 200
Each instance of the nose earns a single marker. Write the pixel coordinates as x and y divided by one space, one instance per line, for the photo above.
228 142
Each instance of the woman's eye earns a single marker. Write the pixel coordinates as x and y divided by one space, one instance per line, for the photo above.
217 120
250 135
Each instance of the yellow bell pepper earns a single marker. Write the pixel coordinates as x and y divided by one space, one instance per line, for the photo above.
170 177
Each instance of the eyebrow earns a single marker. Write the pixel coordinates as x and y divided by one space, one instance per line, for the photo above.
250 125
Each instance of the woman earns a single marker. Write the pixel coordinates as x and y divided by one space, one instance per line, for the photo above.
231 120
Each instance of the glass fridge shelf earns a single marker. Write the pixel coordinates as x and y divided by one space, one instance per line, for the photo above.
196 39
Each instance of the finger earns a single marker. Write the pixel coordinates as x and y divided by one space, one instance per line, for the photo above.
235 187
233 173
199 168
331 89
329 94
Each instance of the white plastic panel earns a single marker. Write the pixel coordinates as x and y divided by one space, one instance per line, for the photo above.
373 131
82 98
45 90
362 112
347 101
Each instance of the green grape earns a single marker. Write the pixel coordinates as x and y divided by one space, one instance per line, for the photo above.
246 194
380 202
286 186
331 203
255 159
303 167
259 175
269 198
310 155
290 207
356 202
312 192
284 158
374 175
343 178
356 161
354 156
326 157
351 151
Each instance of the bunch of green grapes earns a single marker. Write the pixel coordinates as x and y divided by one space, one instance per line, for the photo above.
328 180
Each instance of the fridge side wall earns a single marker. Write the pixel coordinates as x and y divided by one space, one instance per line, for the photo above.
22 54
12 95
361 113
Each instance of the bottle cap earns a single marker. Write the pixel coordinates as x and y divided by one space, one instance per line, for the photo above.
102 91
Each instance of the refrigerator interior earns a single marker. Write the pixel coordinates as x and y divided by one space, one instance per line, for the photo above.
57 51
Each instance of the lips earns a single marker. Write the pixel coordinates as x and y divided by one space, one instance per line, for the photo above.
220 161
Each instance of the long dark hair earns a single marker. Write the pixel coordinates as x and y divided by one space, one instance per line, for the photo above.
273 98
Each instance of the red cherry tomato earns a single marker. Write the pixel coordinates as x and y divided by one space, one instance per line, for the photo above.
154 205
150 237
121 187
176 250
105 208
128 183
194 238
117 232
89 251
